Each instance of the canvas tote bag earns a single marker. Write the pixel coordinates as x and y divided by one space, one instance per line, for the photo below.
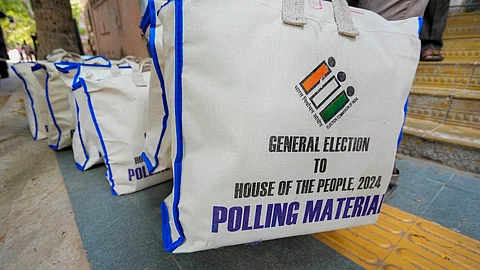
85 152
117 109
33 77
157 145
285 117
58 97
60 118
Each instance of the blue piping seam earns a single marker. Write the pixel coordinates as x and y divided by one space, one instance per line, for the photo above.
80 136
161 7
405 107
420 24
100 136
37 67
168 244
32 104
50 109
153 50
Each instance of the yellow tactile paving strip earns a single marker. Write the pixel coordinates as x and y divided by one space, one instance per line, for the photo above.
400 240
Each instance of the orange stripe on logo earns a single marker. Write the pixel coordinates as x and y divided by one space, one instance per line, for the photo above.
313 79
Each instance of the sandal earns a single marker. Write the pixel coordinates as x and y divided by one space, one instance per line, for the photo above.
431 55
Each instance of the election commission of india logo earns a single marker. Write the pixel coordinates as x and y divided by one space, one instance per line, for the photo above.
327 93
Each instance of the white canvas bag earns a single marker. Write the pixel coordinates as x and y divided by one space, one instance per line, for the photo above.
60 118
33 77
85 152
285 117
58 97
117 108
157 145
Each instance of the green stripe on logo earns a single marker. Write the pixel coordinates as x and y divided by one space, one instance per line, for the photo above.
334 107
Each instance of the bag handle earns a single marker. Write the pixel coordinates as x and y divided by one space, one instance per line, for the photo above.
145 65
73 56
293 13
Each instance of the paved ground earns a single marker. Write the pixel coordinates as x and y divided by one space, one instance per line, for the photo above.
54 216
37 224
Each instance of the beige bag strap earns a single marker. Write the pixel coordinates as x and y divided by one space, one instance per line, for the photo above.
137 76
145 65
293 13
72 56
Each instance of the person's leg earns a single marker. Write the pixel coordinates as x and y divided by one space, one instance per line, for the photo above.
435 20
394 9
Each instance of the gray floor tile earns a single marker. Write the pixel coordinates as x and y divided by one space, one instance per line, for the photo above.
427 169
118 232
302 252
414 192
467 182
456 209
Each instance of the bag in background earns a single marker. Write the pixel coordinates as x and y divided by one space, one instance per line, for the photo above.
33 77
117 111
157 145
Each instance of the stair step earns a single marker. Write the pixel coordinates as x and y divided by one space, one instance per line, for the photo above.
463 25
464 136
451 145
465 50
448 106
428 106
448 75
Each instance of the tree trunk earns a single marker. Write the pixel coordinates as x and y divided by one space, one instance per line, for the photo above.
55 26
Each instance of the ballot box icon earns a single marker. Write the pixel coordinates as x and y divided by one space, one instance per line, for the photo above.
324 90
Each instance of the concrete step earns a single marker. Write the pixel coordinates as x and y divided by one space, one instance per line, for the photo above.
463 25
448 74
452 145
462 50
446 106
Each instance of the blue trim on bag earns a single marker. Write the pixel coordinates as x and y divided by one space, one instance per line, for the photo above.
96 65
405 107
153 50
80 136
161 7
68 66
168 244
37 67
32 104
100 136
80 167
149 165
50 109
420 24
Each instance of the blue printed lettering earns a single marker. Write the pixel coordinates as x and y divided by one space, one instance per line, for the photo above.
312 213
339 207
131 173
327 211
357 207
234 219
291 215
348 205
219 216
258 216
373 206
246 218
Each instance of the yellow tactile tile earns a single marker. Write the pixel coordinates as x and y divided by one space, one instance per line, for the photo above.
400 240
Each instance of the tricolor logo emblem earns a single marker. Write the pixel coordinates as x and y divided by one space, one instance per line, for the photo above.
323 93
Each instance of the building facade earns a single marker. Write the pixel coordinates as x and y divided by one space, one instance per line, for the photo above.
112 27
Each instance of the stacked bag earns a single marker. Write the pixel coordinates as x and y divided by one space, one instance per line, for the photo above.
98 107
274 118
